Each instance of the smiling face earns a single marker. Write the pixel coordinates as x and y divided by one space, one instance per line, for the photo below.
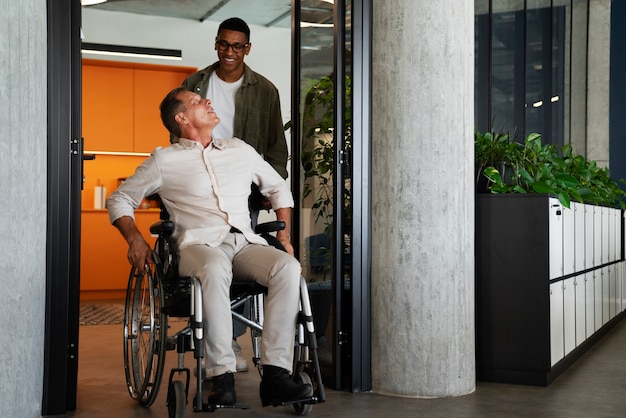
231 61
197 113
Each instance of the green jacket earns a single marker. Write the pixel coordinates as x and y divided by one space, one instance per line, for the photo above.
258 119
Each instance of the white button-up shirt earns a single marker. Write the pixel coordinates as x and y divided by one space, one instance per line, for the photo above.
205 190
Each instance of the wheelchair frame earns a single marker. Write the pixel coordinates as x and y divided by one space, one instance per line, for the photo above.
160 292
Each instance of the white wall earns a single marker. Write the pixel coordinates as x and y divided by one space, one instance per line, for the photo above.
270 54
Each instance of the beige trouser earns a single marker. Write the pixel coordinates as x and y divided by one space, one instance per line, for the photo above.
272 268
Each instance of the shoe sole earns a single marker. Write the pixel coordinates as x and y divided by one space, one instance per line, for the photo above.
298 398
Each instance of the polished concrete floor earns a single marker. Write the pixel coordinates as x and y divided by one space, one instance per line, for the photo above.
595 386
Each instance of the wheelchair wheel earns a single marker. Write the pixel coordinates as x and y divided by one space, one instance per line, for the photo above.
176 400
302 408
145 335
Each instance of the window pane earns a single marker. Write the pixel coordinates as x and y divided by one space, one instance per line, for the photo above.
507 55
538 63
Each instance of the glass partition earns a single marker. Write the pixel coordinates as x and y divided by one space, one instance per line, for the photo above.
531 68
323 170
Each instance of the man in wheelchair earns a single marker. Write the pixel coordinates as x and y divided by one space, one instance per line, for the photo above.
204 184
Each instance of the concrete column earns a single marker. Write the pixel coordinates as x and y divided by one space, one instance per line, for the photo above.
598 75
23 140
423 198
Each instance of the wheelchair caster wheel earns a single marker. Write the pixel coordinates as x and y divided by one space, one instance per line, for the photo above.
302 408
176 400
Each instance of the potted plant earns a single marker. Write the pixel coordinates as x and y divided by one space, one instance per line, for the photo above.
506 166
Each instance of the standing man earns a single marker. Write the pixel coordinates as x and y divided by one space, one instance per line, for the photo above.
247 102
249 109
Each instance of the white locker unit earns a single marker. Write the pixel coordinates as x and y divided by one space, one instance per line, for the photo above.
569 241
580 308
589 236
579 236
597 236
555 232
620 287
606 234
604 272
557 350
573 254
590 327
618 234
569 315
611 234
597 300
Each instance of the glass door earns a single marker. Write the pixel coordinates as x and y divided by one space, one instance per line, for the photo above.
321 150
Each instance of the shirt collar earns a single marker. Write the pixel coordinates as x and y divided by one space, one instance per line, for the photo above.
189 143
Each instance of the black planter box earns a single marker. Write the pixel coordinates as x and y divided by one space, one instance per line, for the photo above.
513 291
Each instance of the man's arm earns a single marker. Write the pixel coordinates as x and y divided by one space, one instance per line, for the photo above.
139 252
284 236
277 154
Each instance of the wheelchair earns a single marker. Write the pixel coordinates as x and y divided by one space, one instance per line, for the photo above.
159 293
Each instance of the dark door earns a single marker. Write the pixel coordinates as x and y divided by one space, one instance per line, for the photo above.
63 202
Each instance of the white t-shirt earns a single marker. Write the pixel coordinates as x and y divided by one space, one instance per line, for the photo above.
222 96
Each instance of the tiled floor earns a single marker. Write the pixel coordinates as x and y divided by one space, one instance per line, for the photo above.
595 386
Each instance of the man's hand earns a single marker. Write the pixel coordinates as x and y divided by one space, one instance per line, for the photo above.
139 254
285 239
284 236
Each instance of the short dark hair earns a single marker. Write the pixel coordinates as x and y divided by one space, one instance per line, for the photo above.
236 24
170 106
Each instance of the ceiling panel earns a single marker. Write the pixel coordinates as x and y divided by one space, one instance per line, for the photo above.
254 12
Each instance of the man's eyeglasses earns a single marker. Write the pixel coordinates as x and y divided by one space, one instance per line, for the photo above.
223 45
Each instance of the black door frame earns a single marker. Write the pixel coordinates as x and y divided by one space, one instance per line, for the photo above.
63 207
64 200
352 321
361 354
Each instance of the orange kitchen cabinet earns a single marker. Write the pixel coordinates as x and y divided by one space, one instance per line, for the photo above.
151 86
104 267
121 104
107 107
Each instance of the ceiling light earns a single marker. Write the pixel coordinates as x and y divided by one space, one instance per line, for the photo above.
315 25
131 51
91 2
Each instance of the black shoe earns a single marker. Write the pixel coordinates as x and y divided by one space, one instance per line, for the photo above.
278 387
223 390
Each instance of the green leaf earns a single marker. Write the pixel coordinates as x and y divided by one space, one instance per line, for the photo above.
542 187
564 199
566 180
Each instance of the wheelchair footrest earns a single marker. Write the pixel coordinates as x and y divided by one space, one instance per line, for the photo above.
213 408
307 400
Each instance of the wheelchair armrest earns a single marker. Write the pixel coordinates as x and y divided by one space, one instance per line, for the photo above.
162 227
267 227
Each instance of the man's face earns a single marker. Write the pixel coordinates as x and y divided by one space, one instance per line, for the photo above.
198 111
231 47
